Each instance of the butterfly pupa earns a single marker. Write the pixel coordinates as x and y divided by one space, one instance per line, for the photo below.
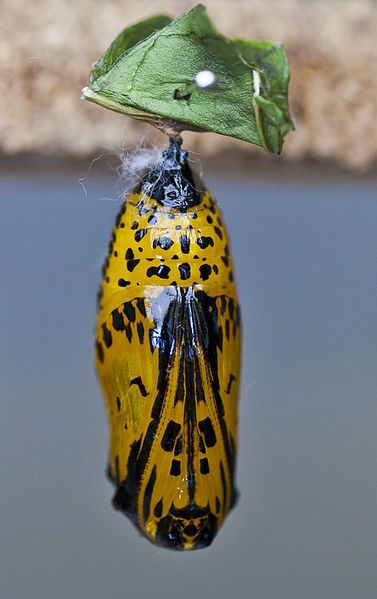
168 357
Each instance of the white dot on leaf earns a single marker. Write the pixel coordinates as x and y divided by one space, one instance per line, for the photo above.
205 79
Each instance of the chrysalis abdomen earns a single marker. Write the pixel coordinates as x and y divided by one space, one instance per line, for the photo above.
168 358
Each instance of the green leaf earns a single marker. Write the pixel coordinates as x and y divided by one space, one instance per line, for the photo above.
149 72
269 60
125 40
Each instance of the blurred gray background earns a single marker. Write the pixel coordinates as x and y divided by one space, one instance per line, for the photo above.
305 527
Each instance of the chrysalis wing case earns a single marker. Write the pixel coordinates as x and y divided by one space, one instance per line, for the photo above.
168 358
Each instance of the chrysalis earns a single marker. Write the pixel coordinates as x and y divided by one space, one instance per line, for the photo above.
168 357
168 338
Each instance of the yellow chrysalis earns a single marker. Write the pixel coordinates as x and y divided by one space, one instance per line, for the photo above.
168 358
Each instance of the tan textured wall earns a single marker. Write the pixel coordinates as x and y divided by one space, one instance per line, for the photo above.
47 47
